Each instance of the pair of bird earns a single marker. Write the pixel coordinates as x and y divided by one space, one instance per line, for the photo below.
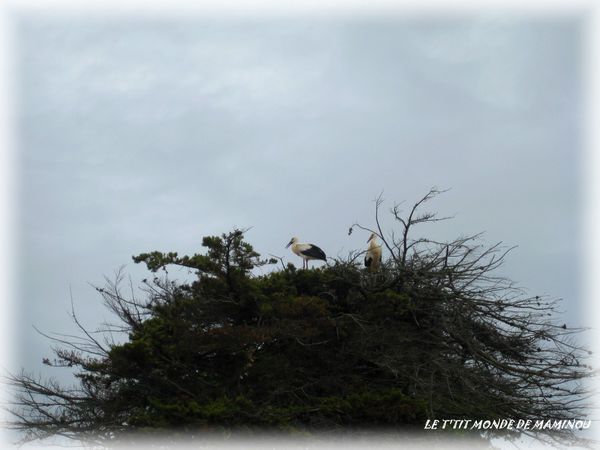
310 251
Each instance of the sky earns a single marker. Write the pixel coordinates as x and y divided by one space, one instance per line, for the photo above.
140 133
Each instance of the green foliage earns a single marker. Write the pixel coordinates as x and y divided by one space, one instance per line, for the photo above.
321 349
284 350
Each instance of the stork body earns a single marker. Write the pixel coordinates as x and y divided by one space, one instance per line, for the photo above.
306 251
373 256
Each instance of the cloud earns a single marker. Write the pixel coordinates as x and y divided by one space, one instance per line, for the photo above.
147 133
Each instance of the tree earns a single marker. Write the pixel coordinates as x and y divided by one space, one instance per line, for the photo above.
434 334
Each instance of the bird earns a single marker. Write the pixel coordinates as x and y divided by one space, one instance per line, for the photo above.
306 252
373 256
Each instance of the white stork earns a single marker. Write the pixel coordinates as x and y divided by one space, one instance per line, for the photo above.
373 256
306 252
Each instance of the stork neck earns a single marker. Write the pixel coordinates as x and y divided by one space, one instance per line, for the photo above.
296 248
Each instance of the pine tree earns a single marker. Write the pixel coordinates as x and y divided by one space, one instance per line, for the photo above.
434 334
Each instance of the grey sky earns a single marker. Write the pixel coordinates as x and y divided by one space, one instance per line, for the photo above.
142 133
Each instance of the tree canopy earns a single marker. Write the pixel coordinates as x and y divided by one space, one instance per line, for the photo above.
434 334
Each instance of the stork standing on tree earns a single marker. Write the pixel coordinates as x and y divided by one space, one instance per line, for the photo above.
306 252
373 256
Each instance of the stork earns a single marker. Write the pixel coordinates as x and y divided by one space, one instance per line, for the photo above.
373 256
306 252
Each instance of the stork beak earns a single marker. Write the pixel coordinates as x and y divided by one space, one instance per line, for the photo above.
369 240
289 243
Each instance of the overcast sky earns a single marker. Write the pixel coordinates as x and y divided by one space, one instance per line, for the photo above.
145 133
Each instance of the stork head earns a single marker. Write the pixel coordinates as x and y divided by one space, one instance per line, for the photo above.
292 241
373 236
